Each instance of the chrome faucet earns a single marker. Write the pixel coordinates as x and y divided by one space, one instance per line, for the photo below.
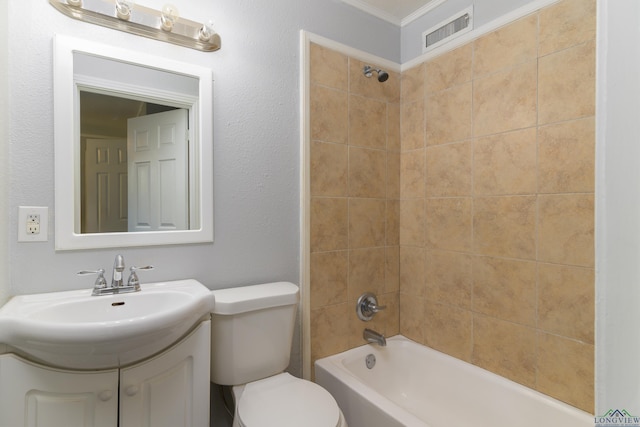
118 286
372 336
118 268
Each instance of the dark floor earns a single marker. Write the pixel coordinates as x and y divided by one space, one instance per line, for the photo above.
220 417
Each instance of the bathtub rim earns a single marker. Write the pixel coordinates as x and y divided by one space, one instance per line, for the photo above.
334 363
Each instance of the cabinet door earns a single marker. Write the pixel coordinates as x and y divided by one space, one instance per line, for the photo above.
32 395
172 389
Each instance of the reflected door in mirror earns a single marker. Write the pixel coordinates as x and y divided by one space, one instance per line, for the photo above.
158 171
105 198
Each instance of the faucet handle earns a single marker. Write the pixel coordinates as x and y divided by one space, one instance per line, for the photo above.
367 306
133 277
100 282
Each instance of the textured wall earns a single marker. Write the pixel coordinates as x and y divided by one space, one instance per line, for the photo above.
618 207
256 138
497 202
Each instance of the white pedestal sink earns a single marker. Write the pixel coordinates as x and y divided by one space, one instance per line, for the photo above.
73 329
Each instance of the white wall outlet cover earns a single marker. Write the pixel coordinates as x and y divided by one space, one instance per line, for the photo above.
33 223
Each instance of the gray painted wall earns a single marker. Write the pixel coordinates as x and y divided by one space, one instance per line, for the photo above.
256 137
618 207
4 162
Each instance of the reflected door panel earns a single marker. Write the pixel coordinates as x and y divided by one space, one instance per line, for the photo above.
158 171
105 208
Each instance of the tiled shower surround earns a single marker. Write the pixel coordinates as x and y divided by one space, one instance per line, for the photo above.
462 193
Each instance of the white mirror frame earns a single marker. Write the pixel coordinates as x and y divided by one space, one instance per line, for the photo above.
67 150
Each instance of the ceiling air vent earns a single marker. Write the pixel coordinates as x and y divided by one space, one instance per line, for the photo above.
448 29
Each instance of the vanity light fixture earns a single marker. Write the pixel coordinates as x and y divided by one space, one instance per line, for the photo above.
207 31
169 17
165 25
123 9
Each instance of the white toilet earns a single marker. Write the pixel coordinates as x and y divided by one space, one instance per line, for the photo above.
251 334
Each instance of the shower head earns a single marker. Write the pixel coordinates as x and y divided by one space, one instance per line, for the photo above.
368 71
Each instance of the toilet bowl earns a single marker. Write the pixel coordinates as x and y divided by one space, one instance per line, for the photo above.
251 335
285 401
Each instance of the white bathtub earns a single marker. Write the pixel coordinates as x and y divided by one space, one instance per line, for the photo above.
415 386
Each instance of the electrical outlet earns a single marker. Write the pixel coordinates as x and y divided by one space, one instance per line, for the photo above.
33 223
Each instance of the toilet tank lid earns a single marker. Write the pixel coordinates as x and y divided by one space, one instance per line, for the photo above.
255 297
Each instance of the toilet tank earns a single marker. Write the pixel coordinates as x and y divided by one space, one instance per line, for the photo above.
251 332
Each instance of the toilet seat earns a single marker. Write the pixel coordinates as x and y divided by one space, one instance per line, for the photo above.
286 401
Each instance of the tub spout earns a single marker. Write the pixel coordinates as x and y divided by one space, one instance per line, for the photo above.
372 336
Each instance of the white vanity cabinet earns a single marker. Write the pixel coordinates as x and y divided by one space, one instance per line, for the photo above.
39 396
170 389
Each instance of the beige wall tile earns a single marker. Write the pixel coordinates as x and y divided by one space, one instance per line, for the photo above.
412 318
508 46
412 263
328 278
565 24
367 122
328 67
449 329
448 115
367 172
449 278
367 221
506 100
505 164
393 223
328 332
566 84
505 288
393 126
393 175
392 269
449 224
328 224
565 371
412 128
412 222
390 316
356 327
329 118
566 229
371 87
505 348
505 226
567 157
328 169
412 170
412 86
366 272
566 301
445 293
449 170
450 69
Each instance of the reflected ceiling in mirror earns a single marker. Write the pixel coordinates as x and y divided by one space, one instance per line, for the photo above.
133 147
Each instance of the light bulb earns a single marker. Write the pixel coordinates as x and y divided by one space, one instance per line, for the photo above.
124 9
75 3
169 16
207 31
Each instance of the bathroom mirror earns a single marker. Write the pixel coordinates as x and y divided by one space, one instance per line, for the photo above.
133 148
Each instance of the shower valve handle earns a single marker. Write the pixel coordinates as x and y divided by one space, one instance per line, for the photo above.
367 306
